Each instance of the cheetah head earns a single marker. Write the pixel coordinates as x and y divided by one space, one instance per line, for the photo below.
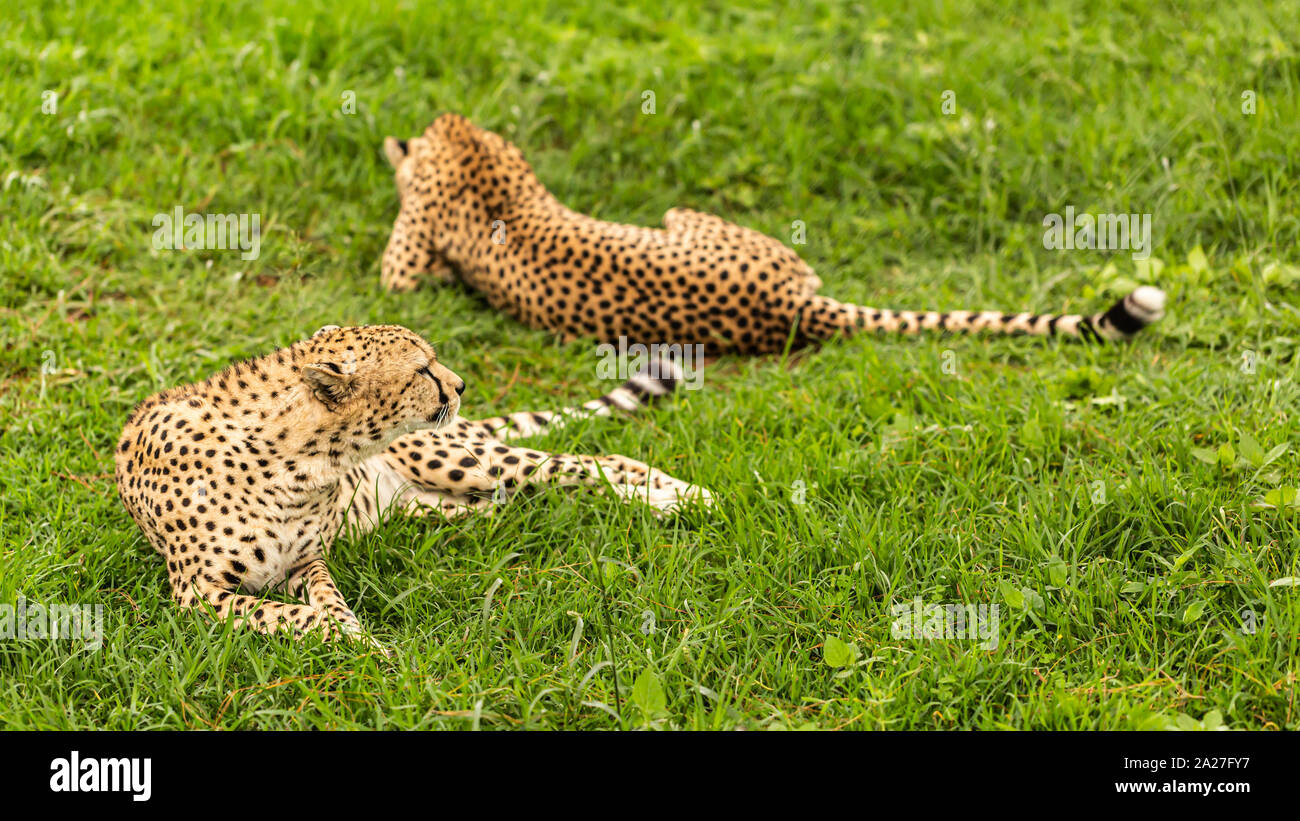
377 382
454 181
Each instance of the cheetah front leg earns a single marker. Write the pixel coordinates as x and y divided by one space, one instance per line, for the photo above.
324 595
400 280
263 615
411 256
253 612
472 475
502 468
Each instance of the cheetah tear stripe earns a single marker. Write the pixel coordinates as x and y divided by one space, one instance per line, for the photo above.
826 318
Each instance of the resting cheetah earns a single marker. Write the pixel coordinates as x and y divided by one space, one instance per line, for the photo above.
471 207
243 481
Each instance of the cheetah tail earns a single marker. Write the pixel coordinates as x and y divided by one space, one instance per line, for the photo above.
825 318
656 379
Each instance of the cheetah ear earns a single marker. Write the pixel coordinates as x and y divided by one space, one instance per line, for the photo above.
333 384
395 150
454 128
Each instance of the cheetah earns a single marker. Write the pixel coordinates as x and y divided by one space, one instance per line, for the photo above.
242 482
471 208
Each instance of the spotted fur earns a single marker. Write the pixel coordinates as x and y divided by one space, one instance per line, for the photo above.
242 482
471 208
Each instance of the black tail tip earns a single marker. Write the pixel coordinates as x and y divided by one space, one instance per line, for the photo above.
1135 311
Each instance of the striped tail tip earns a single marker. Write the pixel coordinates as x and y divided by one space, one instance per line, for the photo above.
659 377
1132 313
652 381
655 379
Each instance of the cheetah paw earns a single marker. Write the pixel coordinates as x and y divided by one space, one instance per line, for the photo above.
666 501
338 631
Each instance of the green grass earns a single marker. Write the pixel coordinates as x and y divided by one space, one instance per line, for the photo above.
1064 483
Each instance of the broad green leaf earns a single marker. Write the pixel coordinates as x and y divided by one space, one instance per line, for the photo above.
1197 261
1193 612
1227 456
648 694
1206 455
1275 273
1281 497
1057 572
1148 269
1032 433
1275 453
838 653
1250 450
1032 599
1013 597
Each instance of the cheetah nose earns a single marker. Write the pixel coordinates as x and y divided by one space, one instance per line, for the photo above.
460 389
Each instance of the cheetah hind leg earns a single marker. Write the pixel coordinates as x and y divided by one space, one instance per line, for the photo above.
691 225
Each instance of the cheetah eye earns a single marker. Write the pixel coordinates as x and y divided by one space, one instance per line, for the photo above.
426 372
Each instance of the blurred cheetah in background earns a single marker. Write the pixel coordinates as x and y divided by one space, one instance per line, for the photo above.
472 209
